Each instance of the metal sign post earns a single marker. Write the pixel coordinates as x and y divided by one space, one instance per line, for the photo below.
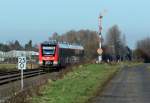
22 66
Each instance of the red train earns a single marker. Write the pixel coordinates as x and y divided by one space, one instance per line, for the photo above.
55 54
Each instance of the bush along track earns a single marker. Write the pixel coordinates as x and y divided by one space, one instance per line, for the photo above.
77 86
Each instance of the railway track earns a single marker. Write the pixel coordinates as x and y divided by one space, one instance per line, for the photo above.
7 77
9 86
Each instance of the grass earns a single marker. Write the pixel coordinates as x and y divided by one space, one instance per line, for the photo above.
7 67
12 67
132 64
148 68
77 86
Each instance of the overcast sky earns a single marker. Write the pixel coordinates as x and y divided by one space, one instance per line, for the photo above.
38 19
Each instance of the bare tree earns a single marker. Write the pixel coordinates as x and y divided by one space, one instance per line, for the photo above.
28 46
115 42
143 49
89 39
54 36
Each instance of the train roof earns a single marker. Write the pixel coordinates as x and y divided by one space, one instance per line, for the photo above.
70 46
64 45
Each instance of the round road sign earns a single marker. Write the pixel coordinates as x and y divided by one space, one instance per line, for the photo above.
99 51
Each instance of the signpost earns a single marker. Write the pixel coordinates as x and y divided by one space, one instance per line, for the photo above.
22 66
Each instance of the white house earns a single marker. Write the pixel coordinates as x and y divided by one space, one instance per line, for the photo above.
16 53
2 55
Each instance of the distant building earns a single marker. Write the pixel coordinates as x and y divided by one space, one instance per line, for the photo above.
16 53
2 56
11 56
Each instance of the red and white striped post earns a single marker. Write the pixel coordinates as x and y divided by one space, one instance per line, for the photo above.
100 38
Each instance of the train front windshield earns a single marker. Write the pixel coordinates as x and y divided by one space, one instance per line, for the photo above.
48 50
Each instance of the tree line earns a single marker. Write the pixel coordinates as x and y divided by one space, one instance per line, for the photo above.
88 39
16 45
114 45
142 51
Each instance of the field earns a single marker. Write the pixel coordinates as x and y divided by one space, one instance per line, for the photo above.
77 86
11 67
8 67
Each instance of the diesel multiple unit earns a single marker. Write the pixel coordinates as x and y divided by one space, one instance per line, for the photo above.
56 54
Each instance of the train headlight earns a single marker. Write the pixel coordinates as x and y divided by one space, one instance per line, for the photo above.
55 62
40 62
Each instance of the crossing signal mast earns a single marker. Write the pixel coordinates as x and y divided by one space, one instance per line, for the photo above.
100 51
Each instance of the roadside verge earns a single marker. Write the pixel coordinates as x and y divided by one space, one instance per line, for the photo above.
77 86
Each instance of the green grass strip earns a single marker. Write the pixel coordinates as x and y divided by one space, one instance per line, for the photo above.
8 67
77 86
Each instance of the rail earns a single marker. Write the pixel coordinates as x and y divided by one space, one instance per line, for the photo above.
7 77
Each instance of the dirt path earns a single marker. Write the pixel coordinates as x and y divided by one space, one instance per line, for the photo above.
131 85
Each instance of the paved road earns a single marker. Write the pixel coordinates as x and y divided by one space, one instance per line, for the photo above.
131 85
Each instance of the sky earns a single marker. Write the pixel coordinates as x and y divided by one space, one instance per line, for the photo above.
37 19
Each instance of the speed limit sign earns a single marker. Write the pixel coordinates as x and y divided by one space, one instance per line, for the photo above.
21 63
